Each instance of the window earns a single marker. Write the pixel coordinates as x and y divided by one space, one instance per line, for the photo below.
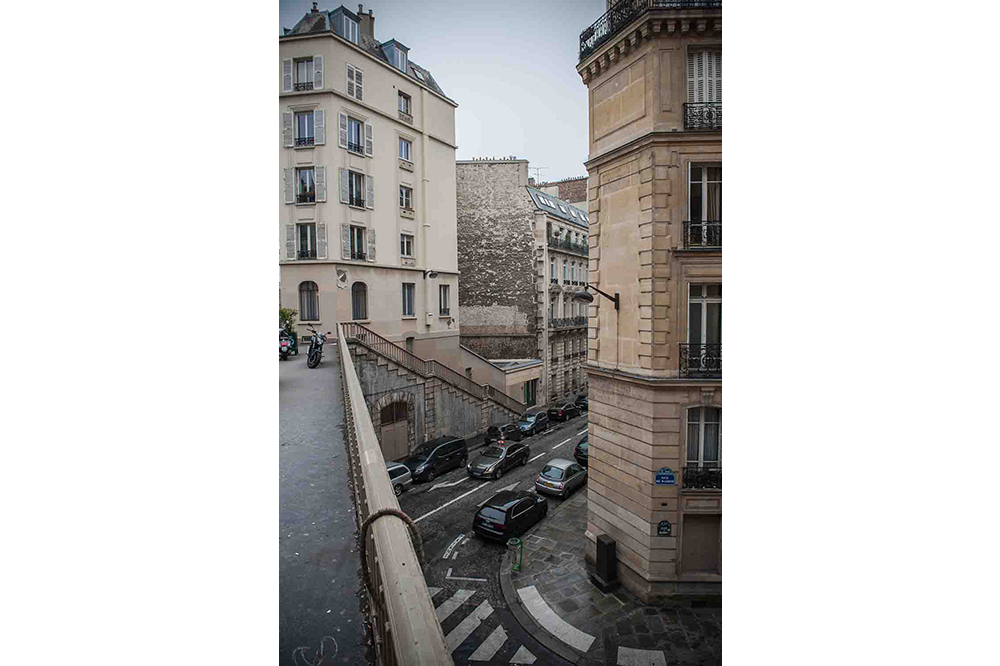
704 440
530 392
358 243
444 299
305 131
552 310
309 301
705 193
359 301
405 150
406 245
704 76
304 74
356 183
355 136
565 270
404 104
307 241
406 197
350 29
705 315
399 59
553 276
355 83
305 188
409 288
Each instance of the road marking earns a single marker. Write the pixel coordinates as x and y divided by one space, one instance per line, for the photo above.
582 431
455 555
450 577
555 625
637 657
433 590
465 628
536 457
429 513
466 540
449 606
510 487
490 646
522 656
449 485
559 444
451 546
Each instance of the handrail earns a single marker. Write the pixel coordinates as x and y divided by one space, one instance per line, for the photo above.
405 625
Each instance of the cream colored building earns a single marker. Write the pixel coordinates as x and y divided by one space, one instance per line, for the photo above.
367 186
654 78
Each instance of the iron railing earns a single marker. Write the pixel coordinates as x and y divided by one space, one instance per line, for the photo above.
706 477
357 201
701 360
703 115
305 141
303 86
307 254
305 197
567 322
445 312
356 148
405 117
624 12
554 280
360 256
702 235
569 246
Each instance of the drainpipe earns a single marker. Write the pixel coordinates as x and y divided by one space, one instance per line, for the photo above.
425 223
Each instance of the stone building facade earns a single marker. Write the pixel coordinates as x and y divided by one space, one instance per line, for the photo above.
571 190
654 79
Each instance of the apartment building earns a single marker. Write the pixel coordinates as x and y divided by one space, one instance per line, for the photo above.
654 76
571 190
367 221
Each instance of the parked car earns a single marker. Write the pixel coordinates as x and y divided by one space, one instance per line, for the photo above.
582 402
533 421
508 514
560 477
563 412
436 457
495 460
399 476
508 431
582 451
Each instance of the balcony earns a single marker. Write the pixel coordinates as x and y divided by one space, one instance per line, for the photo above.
701 361
568 246
358 202
305 197
702 235
299 87
445 312
707 477
405 117
624 12
305 141
703 116
356 148
568 322
307 254
358 256
554 280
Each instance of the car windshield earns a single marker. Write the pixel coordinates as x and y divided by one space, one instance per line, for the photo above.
493 452
524 422
496 515
528 418
554 473
421 454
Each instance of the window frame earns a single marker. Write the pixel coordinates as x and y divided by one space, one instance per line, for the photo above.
406 197
403 245
310 139
403 97
354 302
310 72
304 311
352 121
352 29
359 232
410 287
298 182
310 236
704 183
444 300
705 301
352 200
409 150
702 422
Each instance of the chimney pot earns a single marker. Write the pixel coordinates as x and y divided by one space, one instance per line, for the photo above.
315 8
361 9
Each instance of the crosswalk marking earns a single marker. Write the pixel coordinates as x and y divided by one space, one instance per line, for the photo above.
449 606
522 656
433 591
468 625
638 657
490 646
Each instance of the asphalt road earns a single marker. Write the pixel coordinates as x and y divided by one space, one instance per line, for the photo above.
319 566
475 609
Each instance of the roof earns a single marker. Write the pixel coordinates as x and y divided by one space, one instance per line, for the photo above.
558 208
561 463
516 364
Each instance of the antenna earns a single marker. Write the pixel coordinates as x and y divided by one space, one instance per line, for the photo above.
537 175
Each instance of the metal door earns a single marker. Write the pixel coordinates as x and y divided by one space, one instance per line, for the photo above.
395 433
701 539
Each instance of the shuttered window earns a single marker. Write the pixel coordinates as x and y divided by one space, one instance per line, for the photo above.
358 247
309 301
355 83
704 76
305 129
304 70
305 188
307 241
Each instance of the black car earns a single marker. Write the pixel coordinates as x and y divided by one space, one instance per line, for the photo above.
495 460
508 514
563 412
533 421
436 457
508 431
582 451
582 402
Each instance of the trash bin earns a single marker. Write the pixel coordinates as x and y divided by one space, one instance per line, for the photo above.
518 548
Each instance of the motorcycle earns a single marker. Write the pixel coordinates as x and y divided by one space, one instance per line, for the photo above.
284 344
315 348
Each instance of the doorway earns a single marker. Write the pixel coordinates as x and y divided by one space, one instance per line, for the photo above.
395 436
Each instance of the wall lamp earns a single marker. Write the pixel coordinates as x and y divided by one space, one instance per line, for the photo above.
430 274
586 297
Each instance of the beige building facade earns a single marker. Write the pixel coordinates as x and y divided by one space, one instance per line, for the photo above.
654 78
367 217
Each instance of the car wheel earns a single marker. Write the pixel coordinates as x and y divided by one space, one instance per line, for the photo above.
497 474
398 489
430 476
524 460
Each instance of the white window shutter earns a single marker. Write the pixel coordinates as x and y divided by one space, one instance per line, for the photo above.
350 81
718 76
369 139
690 77
699 64
371 244
345 241
321 183
286 75
317 72
289 186
359 91
319 126
343 130
345 186
286 129
369 192
290 241
321 243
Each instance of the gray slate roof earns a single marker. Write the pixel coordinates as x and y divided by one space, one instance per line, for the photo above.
543 200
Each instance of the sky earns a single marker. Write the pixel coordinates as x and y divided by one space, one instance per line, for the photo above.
510 66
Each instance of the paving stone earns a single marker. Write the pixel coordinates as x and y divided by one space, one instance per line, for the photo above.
646 642
568 605
624 628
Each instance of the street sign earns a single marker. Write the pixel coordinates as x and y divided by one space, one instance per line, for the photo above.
663 529
665 477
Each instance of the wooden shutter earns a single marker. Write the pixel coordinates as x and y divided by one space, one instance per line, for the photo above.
286 75
359 91
321 251
691 77
317 72
709 76
321 183
371 244
350 81
369 139
319 125
286 129
345 186
343 130
717 56
289 186
345 241
290 241
369 192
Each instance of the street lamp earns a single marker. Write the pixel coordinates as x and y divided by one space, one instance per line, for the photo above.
430 274
586 297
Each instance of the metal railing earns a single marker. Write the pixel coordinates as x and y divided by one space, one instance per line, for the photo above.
701 360
306 197
357 201
567 322
307 254
567 245
703 115
360 256
356 148
445 312
303 86
624 12
702 235
708 476
404 623
405 117
305 141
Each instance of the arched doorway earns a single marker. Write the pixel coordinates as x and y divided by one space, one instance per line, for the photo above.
394 430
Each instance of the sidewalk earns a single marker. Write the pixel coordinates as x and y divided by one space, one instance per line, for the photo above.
553 599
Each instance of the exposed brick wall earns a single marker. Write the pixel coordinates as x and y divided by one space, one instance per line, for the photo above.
573 190
496 295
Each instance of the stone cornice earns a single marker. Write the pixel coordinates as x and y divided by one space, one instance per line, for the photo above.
652 138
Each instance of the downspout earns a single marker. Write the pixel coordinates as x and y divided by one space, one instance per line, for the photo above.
425 223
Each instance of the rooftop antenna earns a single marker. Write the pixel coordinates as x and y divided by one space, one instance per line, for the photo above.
537 175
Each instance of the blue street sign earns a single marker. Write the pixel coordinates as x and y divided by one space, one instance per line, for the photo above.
663 529
665 477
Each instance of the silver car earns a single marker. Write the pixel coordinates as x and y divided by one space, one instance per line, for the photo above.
560 477
399 477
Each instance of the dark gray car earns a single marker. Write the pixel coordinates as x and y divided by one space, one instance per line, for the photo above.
560 477
495 460
534 421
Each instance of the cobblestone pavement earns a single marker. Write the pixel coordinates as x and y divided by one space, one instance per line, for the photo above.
687 631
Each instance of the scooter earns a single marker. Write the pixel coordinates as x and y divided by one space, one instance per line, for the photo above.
284 344
315 348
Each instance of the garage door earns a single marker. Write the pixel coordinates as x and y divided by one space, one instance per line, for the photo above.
702 543
395 433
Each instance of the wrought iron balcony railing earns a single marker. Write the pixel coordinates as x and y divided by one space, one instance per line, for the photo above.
703 116
360 256
303 86
307 254
706 477
357 201
624 12
702 235
567 322
405 117
356 148
305 197
445 312
569 246
701 360
554 280
305 141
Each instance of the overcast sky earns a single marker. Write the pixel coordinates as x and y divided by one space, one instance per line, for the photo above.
510 66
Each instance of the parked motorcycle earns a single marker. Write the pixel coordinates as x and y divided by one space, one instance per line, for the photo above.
284 344
315 348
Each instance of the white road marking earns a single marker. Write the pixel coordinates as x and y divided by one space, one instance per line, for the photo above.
433 591
466 540
455 555
559 444
450 577
582 431
449 485
449 606
490 646
465 628
522 656
451 546
429 513
555 625
510 487
536 457
637 657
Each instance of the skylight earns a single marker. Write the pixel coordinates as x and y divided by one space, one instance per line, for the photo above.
563 209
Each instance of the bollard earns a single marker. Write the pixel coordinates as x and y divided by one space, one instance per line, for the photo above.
519 557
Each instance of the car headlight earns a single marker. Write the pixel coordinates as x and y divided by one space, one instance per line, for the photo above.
420 468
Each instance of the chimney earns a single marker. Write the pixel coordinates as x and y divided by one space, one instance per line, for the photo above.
315 9
367 23
531 181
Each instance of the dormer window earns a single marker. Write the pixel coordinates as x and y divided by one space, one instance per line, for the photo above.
350 29
400 60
